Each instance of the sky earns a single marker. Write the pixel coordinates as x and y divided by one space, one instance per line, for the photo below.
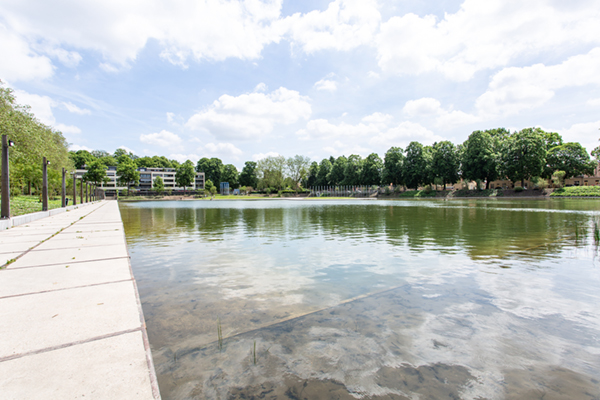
245 79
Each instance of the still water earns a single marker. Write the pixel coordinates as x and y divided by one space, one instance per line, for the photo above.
474 299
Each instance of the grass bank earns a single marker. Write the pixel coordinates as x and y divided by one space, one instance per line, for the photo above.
20 205
577 191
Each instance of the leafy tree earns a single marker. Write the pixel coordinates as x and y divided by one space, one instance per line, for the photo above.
372 167
313 173
596 153
297 168
558 178
100 153
110 161
480 158
353 170
208 185
159 185
324 168
393 162
155 162
230 174
127 173
248 176
336 175
524 155
185 175
270 172
445 162
415 166
571 158
212 168
81 157
96 173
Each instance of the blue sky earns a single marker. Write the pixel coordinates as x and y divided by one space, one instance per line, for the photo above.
240 80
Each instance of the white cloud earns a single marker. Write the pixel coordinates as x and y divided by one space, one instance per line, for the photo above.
74 109
325 84
68 129
76 147
344 25
225 150
163 138
41 106
483 35
127 149
586 133
106 67
251 116
20 63
378 118
170 117
513 90
261 87
404 133
593 102
420 107
260 156
184 157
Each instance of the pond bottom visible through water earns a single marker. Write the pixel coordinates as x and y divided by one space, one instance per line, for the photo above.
343 301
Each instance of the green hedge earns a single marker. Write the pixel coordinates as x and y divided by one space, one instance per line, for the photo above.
577 191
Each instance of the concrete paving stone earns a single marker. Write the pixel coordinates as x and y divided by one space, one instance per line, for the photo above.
94 228
66 256
111 368
80 240
6 257
17 247
38 321
23 238
85 235
31 280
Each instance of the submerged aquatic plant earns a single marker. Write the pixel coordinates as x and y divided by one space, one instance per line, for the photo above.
219 334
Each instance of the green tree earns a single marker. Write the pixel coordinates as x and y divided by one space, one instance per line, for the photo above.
480 158
524 155
127 173
372 167
297 169
248 175
353 170
230 174
445 163
208 185
313 173
185 175
571 158
212 168
158 185
336 175
415 166
81 157
393 163
323 170
270 171
96 173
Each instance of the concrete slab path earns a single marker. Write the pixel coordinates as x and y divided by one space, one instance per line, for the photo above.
72 323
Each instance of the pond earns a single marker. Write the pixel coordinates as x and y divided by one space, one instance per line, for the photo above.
295 299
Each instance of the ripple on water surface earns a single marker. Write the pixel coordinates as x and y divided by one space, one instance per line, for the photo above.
362 299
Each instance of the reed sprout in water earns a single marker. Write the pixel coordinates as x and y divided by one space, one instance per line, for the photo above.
219 334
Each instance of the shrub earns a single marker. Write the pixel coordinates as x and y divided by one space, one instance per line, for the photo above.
387 190
518 189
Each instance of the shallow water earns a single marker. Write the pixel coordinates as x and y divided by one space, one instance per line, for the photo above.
473 299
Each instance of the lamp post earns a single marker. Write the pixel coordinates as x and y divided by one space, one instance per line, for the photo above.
87 200
45 184
64 189
5 177
81 191
74 188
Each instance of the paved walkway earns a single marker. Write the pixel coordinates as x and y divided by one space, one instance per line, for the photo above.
71 324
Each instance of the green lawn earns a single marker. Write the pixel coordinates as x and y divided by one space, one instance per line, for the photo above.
20 205
577 191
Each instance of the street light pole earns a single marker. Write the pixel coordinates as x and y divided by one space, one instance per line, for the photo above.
74 188
45 184
64 188
5 178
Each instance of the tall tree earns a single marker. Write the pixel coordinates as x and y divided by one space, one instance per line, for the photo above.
371 170
415 166
445 163
81 158
185 175
96 173
323 172
393 162
524 155
231 175
248 176
353 170
127 173
212 168
336 175
479 158
297 169
313 171
571 158
271 172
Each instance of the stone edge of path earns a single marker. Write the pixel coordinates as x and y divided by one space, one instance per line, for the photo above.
26 218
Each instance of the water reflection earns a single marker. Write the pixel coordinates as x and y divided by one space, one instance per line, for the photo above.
387 299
